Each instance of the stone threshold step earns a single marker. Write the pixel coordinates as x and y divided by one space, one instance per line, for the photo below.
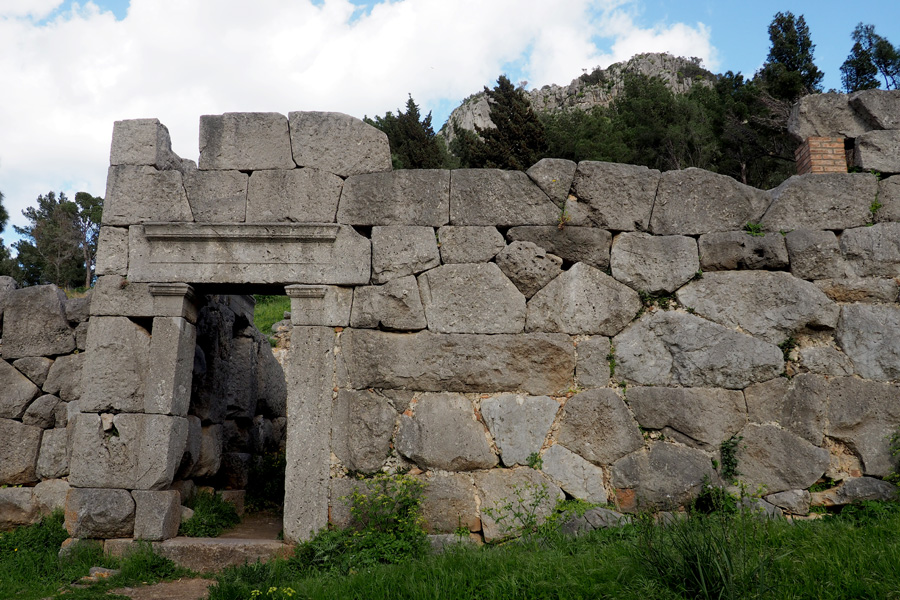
208 555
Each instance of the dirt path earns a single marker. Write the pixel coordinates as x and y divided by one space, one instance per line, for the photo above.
180 589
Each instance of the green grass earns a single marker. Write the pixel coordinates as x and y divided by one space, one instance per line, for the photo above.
269 310
212 515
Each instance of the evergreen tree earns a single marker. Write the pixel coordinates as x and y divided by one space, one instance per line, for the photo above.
859 72
872 55
7 264
414 144
789 71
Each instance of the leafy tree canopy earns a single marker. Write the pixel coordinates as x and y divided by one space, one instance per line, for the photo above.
789 71
414 144
871 56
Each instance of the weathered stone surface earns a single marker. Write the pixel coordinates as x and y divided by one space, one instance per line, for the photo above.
698 417
338 143
16 392
528 266
795 502
211 555
115 295
139 194
340 493
583 300
538 363
19 452
394 305
53 458
99 513
362 429
234 472
573 244
593 362
860 289
294 196
41 412
471 298
217 196
499 198
654 264
270 384
616 196
444 434
65 411
865 334
17 508
157 515
575 475
64 378
407 197
825 115
824 360
873 250
50 495
798 405
242 396
878 151
597 425
499 487
889 198
34 323
778 459
115 373
673 348
694 202
245 141
398 251
112 251
34 368
665 476
856 490
78 310
863 415
326 305
126 450
469 244
814 254
821 201
770 305
168 384
594 518
142 142
519 424
210 457
449 503
731 250
879 108
554 176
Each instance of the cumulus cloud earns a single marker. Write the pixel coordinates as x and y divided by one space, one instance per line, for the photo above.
74 73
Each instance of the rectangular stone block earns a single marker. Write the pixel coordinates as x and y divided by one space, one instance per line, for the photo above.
53 460
293 196
114 376
407 197
217 196
99 513
18 452
245 141
247 253
499 198
157 515
34 323
535 363
112 251
338 143
140 194
168 389
175 300
142 142
878 151
325 305
115 295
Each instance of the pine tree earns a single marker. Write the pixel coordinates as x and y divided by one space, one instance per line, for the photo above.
872 55
414 144
859 72
789 71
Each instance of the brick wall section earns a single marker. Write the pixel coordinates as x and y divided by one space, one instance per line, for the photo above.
821 155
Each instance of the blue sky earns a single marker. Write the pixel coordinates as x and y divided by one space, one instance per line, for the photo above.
72 68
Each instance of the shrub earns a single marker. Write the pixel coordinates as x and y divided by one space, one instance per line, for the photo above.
212 515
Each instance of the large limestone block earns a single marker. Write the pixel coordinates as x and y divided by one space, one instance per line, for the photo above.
694 202
18 452
889 198
821 201
118 357
34 323
583 300
654 264
825 115
112 251
449 503
593 362
535 363
35 368
864 415
798 405
519 424
217 196
242 396
873 251
142 142
778 459
139 194
866 333
444 434
42 412
16 392
469 244
859 289
505 491
854 491
596 425
824 360
64 379
398 251
673 348
576 476
771 305
573 244
795 502
879 108
114 295
126 450
362 429
554 176
731 250
245 141
157 515
615 196
338 143
327 305
294 196
210 456
528 266
50 495
665 476
407 197
17 508
815 254
395 305
499 198
878 151
698 417
471 298
53 459
171 362
99 513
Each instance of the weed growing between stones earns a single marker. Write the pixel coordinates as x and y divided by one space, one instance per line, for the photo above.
728 454
212 515
788 346
535 461
519 515
754 229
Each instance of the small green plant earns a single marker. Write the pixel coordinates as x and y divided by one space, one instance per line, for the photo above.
663 301
754 229
535 461
788 346
212 515
697 275
519 515
273 592
826 483
611 359
563 218
714 498
728 453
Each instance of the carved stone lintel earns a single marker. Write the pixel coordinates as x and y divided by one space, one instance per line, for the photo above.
174 300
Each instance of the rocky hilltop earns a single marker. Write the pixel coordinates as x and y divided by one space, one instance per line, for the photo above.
598 88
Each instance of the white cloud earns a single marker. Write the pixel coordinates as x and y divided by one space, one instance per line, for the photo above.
68 78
